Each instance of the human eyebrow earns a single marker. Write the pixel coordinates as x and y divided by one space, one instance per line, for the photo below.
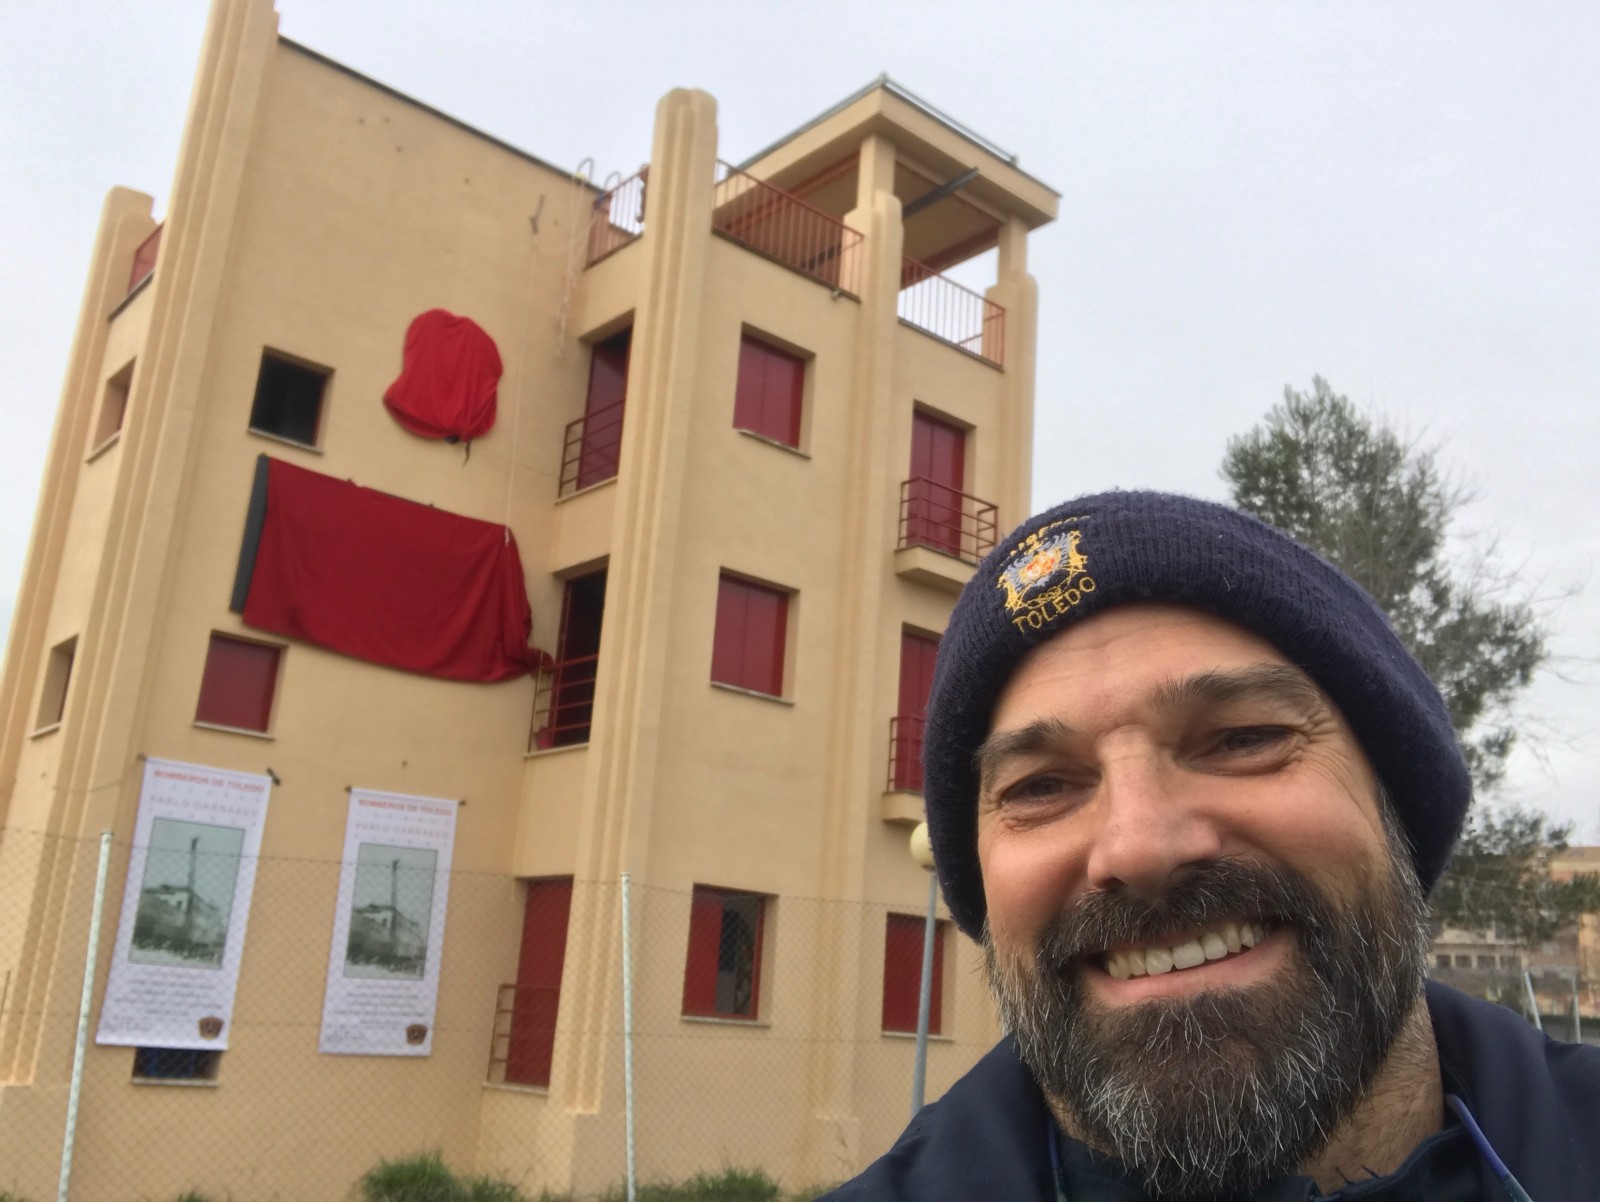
1280 683
1041 734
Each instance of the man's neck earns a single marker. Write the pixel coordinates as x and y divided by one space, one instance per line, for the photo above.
1403 1106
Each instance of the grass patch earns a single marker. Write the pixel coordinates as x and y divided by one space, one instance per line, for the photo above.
426 1178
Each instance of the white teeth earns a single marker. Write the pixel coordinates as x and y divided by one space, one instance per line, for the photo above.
1231 937
1187 955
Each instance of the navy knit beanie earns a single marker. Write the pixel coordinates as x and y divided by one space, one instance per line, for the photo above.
1102 551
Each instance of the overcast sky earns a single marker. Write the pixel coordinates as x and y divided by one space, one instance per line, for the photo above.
1401 197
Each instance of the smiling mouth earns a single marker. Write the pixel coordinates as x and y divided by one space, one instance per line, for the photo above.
1214 943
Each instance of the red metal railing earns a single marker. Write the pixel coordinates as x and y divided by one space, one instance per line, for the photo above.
952 312
522 1039
938 516
144 258
591 448
617 217
563 703
905 752
785 228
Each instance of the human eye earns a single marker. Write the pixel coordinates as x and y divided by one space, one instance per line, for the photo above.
1044 788
1250 748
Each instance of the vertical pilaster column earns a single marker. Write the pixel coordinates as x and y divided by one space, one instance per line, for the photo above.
1017 292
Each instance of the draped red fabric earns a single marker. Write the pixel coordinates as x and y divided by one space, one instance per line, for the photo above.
448 376
388 580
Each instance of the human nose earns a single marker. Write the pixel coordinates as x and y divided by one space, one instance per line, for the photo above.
1151 827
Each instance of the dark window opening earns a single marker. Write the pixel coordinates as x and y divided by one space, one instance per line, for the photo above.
57 676
571 682
175 1064
288 401
722 976
113 407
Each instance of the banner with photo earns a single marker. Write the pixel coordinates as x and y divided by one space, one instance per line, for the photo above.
388 929
180 937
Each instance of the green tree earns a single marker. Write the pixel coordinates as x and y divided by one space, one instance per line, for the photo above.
1380 508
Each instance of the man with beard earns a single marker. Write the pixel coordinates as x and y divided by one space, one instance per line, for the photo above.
1190 792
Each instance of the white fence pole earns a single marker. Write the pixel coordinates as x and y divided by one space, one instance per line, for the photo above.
1533 1000
90 954
627 1036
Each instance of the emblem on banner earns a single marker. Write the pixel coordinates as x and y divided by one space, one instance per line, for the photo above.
416 1033
210 1027
1046 574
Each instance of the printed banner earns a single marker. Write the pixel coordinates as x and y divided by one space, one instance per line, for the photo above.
181 933
388 930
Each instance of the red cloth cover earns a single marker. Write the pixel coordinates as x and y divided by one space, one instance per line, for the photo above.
448 375
384 579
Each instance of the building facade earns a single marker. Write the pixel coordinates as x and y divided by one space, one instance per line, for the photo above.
749 443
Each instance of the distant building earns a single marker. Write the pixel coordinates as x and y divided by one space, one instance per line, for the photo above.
750 442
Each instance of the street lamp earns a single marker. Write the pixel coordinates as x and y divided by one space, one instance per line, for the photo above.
922 853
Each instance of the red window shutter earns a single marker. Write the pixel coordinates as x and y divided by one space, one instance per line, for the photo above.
238 683
747 648
902 974
603 406
531 1047
938 475
769 391
917 656
705 942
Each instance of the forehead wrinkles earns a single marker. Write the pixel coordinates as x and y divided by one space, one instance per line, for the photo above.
1281 684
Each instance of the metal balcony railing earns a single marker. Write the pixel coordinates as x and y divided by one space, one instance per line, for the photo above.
952 312
522 1039
946 519
905 752
144 258
563 703
786 229
617 217
591 448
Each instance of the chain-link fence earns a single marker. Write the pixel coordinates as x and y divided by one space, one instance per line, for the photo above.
746 1037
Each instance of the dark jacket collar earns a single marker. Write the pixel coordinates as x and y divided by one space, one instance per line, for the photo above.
1537 1101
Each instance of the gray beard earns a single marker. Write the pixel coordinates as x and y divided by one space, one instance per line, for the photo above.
1218 1093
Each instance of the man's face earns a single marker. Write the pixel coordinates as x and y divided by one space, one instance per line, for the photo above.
1198 929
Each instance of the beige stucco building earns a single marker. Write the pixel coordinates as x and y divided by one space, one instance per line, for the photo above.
748 397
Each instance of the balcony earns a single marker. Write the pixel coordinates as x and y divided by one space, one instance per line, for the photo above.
144 258
617 217
902 794
786 229
952 312
591 449
563 703
943 533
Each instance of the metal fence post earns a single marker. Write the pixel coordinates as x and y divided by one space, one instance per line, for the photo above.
919 1074
627 1036
1533 1000
91 953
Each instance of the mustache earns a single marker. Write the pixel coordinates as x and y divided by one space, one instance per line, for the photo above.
1204 895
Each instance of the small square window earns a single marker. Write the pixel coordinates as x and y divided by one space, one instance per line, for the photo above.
902 973
752 628
175 1064
769 392
113 407
237 687
288 402
722 976
57 676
